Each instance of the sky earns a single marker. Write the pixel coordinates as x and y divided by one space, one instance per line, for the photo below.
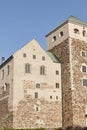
23 20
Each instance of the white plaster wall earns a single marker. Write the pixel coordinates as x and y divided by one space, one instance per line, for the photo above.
19 71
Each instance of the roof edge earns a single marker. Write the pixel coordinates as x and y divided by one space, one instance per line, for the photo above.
5 62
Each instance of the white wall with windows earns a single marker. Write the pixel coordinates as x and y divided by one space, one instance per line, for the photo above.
39 68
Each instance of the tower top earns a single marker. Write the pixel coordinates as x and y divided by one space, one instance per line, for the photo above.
72 27
76 20
70 19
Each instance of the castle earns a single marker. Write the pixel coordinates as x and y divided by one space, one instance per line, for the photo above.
41 89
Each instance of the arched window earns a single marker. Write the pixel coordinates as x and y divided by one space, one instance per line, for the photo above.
42 70
76 31
27 68
54 38
61 34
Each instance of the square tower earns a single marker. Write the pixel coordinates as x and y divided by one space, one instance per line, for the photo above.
69 43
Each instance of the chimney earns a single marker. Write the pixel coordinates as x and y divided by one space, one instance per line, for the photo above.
3 59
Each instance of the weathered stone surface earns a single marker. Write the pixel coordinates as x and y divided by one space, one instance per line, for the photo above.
62 52
48 114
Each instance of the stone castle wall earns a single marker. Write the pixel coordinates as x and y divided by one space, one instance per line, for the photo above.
62 52
74 100
48 114
6 117
79 92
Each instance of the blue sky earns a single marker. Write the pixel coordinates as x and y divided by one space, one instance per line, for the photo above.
23 20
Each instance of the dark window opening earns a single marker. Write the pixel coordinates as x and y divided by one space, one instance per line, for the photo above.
76 31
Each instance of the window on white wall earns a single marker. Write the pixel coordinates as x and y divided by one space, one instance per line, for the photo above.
24 55
84 33
76 31
34 56
57 85
61 34
57 72
43 58
54 38
42 70
37 85
27 68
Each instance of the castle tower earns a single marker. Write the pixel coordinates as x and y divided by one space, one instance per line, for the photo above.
69 43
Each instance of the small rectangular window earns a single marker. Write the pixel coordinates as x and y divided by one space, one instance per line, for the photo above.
83 53
83 68
37 85
43 58
37 108
50 97
34 56
24 55
84 82
36 95
57 72
57 85
57 97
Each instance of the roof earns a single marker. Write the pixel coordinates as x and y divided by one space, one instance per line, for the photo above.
71 19
76 20
5 62
53 57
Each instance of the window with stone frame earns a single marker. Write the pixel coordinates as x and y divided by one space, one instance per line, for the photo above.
42 70
61 34
43 58
84 68
83 53
24 55
27 68
54 38
56 97
34 56
50 97
57 85
84 33
76 30
37 108
57 72
37 85
36 95
84 82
